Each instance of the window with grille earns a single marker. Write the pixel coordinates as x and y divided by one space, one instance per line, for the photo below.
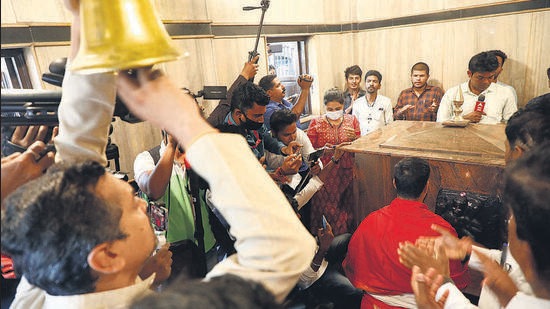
288 57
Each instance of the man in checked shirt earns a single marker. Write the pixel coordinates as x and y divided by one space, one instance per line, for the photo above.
421 101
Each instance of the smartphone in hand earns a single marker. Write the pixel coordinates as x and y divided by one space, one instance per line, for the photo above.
314 156
324 223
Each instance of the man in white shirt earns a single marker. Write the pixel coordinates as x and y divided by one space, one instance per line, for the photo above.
79 238
273 248
373 110
499 102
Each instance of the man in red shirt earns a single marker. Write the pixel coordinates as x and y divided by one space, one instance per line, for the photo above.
372 263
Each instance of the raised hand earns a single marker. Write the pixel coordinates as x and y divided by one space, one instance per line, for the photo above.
305 81
154 97
24 136
350 133
292 148
250 68
315 168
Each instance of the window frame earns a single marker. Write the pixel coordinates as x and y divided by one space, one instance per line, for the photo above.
17 68
303 60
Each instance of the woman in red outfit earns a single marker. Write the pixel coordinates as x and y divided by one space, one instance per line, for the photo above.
335 199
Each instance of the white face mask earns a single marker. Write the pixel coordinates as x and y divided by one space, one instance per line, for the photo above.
335 115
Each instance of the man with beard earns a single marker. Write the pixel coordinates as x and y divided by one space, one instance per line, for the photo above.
248 106
420 102
277 91
353 87
373 110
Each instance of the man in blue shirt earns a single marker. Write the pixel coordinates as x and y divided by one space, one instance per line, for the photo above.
276 92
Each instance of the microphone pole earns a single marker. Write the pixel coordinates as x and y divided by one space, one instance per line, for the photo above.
264 5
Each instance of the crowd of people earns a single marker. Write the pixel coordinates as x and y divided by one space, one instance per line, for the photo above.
258 207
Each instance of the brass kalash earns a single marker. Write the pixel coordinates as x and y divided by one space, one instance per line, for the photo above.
457 120
119 35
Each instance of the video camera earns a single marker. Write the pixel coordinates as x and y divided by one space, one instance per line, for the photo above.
39 107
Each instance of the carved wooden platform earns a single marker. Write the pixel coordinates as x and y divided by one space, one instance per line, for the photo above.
469 159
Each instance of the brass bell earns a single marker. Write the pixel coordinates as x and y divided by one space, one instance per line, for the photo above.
120 34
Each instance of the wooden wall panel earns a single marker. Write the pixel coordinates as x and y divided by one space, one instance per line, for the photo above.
54 11
43 11
279 12
131 139
186 71
8 13
329 55
374 10
447 48
181 9
336 12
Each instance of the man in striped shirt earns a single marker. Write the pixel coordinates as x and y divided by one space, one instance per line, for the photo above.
421 101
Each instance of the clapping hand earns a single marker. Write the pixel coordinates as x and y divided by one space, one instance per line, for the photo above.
425 286
455 248
424 257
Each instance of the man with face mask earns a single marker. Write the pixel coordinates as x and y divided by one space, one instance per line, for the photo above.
248 106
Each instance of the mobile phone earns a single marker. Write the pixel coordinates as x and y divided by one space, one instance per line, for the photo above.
304 78
314 156
324 223
158 215
44 152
